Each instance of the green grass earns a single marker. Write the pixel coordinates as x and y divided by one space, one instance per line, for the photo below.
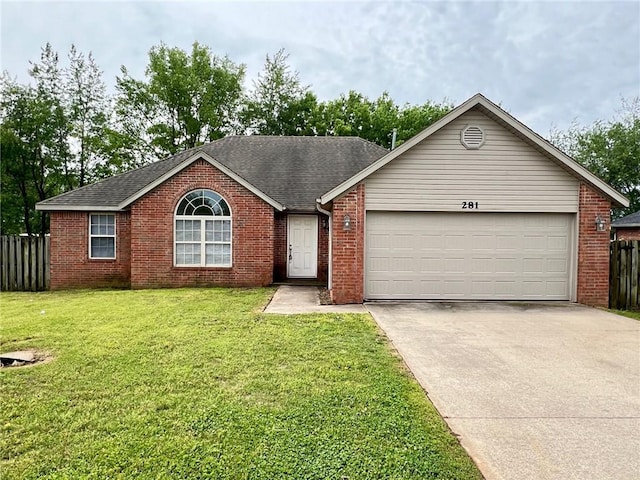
198 383
628 313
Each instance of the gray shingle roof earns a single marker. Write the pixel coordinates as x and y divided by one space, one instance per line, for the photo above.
292 170
632 220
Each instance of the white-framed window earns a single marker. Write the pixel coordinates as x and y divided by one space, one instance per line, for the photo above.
102 235
202 230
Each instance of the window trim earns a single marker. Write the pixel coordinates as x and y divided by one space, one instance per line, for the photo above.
114 236
202 242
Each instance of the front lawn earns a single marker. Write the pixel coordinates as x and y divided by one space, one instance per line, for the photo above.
198 383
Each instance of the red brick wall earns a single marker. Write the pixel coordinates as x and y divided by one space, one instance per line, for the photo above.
348 248
152 219
628 233
280 250
323 249
593 249
70 263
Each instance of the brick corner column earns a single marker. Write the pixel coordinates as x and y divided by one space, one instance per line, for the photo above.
593 249
348 248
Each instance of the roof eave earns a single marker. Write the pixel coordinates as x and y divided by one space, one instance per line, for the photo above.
478 99
625 225
78 208
198 155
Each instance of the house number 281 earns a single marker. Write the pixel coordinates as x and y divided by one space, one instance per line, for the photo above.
469 205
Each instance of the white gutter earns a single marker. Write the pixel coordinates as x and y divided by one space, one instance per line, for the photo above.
329 260
72 208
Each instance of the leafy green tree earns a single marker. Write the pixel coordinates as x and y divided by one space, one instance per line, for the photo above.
36 161
87 111
50 120
278 103
51 131
385 116
355 114
611 150
348 115
31 169
415 118
17 197
185 101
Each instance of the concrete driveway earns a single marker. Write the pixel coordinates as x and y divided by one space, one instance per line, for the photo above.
534 391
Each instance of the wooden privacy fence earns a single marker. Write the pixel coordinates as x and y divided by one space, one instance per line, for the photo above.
24 263
625 275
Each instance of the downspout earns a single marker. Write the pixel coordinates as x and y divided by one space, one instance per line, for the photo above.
329 259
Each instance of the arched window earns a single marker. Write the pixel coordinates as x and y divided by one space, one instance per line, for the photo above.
203 230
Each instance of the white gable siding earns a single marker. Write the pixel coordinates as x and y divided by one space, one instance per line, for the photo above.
504 175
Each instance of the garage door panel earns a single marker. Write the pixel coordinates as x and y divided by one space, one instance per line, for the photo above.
535 242
484 242
557 243
379 241
508 242
532 266
483 265
506 265
553 287
431 242
535 288
379 264
557 265
483 288
507 288
454 288
468 256
454 265
455 242
430 265
403 264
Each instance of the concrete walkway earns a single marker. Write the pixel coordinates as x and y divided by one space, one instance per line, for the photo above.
294 299
534 392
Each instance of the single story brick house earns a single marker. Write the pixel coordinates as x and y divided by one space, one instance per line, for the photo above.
475 207
627 228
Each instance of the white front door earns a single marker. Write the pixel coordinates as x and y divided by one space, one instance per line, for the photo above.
303 246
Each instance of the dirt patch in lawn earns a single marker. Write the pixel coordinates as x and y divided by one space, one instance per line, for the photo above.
23 358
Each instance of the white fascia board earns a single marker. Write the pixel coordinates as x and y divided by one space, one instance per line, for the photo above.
202 156
523 130
76 208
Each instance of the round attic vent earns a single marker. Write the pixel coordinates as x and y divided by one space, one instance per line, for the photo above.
472 137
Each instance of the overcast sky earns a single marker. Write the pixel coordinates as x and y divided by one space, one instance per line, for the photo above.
547 63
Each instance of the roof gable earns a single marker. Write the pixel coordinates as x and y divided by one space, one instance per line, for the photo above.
199 155
507 121
504 174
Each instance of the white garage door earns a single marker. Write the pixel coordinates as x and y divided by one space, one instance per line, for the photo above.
472 256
